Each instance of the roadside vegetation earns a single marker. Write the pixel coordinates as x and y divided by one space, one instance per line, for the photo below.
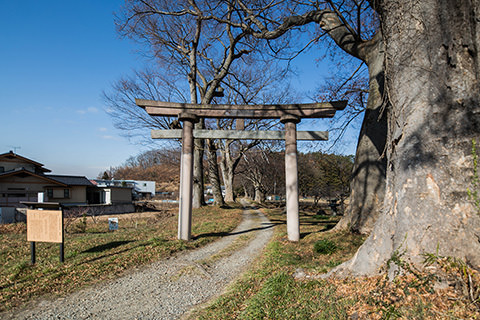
93 253
285 282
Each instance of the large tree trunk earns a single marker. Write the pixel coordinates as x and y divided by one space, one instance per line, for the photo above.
259 194
198 189
245 191
432 72
213 173
226 167
368 178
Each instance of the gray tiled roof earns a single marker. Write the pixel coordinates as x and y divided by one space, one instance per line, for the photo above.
71 180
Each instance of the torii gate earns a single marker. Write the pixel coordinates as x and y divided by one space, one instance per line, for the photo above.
289 115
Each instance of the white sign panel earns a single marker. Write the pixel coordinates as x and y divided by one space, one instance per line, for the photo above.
113 224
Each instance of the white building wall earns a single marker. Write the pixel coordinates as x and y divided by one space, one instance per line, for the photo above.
145 186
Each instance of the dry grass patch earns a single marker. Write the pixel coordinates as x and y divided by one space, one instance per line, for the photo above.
284 284
98 254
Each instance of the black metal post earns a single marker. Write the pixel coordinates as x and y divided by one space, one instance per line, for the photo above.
63 238
61 252
32 252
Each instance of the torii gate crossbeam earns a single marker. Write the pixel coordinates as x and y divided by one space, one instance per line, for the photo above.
239 135
289 114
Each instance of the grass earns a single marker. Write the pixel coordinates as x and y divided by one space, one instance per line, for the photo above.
97 254
270 289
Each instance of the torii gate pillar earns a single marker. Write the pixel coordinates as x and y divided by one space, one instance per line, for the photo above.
186 177
289 114
291 176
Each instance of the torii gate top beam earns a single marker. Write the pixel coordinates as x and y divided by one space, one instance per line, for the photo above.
263 111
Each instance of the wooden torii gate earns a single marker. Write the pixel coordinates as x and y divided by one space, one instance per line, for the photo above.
289 115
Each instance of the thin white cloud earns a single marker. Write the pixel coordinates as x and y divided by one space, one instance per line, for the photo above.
107 137
102 129
88 110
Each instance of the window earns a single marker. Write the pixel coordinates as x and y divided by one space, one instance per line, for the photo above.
2 169
50 193
66 193
16 195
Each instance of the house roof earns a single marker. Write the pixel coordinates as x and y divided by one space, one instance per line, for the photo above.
71 180
11 155
22 172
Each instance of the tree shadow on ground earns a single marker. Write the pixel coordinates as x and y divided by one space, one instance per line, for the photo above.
107 246
320 218
266 225
328 226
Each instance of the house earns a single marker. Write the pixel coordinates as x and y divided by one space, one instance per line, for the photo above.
110 193
23 179
144 189
141 189
73 190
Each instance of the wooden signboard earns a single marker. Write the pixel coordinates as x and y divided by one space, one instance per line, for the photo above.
45 226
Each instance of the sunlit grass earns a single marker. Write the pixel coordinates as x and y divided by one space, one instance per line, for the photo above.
98 254
269 290
285 283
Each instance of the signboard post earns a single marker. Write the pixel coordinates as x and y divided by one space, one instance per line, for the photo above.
45 226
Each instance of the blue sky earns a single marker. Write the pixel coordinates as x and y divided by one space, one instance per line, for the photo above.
56 58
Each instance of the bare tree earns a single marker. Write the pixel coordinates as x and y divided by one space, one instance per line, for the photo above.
188 45
126 115
351 26
264 170
423 78
324 176
259 83
351 32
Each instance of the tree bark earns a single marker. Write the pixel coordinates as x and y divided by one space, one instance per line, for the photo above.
198 188
259 194
432 72
227 168
369 171
245 191
213 173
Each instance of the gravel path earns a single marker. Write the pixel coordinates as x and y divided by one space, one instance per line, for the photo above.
166 289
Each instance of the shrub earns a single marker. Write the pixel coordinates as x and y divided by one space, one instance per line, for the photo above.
325 246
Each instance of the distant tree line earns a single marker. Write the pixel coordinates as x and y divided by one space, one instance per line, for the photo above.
324 176
320 175
260 172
